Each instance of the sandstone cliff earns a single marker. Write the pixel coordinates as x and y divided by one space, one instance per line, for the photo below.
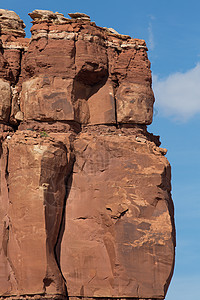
86 209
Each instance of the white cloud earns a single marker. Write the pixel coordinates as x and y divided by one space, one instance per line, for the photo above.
178 95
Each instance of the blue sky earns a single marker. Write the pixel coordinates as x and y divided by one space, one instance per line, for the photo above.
172 32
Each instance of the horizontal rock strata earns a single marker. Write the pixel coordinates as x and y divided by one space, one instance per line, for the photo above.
85 190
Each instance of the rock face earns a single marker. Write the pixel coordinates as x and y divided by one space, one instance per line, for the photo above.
86 208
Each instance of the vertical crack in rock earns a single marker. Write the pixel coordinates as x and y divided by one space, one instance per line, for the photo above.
54 171
128 64
6 223
5 236
116 86
57 247
6 167
20 66
166 186
12 279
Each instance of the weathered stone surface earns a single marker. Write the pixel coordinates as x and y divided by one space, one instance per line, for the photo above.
85 202
47 15
5 100
134 103
10 58
12 44
7 281
91 62
79 16
43 57
39 14
36 173
47 99
103 102
120 203
92 58
11 24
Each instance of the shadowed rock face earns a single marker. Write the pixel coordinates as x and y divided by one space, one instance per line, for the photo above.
85 190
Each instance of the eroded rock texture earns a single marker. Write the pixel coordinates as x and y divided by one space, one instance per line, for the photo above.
86 209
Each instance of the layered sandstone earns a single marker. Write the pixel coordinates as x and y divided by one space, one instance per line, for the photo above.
86 207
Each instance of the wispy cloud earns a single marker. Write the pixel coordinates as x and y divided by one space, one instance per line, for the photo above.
178 95
151 42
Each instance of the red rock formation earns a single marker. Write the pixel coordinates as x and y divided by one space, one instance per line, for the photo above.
86 203
118 205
